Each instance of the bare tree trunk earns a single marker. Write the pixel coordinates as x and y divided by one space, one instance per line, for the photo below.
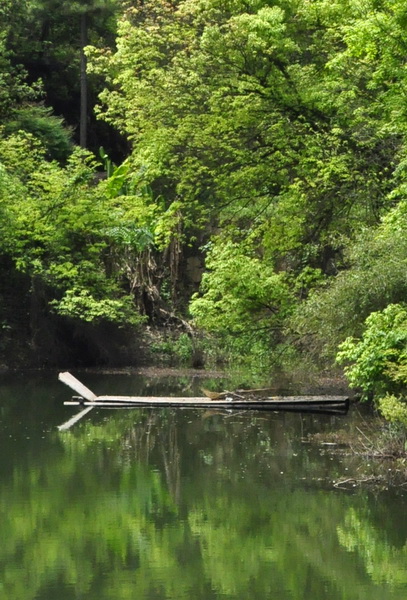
84 85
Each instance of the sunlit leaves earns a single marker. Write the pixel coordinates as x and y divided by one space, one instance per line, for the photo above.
242 300
372 359
58 226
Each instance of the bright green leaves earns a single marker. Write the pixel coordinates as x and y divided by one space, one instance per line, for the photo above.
394 410
372 63
243 300
43 125
229 111
377 363
13 86
276 129
82 305
18 111
250 43
257 119
376 358
62 228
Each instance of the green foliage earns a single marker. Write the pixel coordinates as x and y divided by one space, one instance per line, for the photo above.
184 348
14 89
46 127
273 133
238 290
232 118
381 350
375 277
57 227
81 305
394 410
242 299
174 349
107 163
256 119
42 39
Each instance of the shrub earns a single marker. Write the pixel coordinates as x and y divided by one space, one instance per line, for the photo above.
393 409
46 127
378 359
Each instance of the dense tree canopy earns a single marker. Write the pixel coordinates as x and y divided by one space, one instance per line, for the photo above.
271 124
266 139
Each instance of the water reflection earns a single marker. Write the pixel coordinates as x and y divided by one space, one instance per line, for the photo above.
184 504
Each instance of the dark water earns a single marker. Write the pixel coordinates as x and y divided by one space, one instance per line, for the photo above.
178 505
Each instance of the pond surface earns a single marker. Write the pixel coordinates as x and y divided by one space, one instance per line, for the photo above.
184 504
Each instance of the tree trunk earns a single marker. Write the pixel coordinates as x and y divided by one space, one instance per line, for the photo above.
84 85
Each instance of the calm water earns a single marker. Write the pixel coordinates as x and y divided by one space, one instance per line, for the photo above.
184 504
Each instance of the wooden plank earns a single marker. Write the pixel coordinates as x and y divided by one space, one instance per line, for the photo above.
204 401
77 386
225 400
196 403
334 408
155 399
80 389
86 393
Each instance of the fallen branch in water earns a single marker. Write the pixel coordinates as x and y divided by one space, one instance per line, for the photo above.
355 482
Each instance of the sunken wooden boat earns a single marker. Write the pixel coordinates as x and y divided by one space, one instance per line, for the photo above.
238 400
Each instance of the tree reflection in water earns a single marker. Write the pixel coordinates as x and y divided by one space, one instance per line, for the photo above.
179 504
